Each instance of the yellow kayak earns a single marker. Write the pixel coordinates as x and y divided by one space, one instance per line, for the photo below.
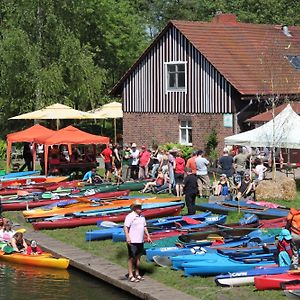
45 212
40 260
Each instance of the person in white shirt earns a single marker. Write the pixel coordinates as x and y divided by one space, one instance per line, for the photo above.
260 170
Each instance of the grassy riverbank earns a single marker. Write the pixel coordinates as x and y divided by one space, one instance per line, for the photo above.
202 288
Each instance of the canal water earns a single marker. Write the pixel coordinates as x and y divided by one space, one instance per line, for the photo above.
18 282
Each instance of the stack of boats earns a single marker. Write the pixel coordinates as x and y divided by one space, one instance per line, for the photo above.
199 245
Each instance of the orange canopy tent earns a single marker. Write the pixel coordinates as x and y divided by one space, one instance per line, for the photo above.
68 136
27 135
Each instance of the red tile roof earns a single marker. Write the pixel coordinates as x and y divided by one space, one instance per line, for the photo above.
247 55
267 115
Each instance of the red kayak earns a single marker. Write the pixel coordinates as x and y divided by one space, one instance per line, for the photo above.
274 223
274 282
23 205
75 222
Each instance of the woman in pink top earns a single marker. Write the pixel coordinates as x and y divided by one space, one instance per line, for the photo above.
179 165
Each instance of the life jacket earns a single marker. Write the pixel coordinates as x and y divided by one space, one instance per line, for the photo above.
294 218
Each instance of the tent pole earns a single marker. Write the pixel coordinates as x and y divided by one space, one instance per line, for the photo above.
115 129
57 124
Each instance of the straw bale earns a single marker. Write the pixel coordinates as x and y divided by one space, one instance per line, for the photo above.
282 188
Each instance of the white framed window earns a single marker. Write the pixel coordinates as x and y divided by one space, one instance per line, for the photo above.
185 133
176 76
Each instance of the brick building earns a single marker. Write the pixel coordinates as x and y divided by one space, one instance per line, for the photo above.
200 76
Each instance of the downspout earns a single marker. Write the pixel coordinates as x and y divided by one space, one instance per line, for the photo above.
237 114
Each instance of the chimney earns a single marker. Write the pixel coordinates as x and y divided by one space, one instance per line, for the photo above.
285 30
224 19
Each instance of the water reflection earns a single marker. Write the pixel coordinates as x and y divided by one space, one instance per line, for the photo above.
26 282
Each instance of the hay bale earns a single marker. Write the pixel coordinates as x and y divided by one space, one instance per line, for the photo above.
282 188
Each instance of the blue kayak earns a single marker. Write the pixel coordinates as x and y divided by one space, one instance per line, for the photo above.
210 220
18 174
155 224
217 264
247 277
225 207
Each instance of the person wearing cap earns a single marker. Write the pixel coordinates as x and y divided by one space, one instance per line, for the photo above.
144 163
106 154
284 249
34 249
190 190
134 155
222 187
293 225
135 229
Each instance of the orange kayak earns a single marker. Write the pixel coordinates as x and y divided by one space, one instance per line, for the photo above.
45 212
41 260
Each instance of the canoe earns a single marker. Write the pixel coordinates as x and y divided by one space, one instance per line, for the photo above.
23 204
271 282
18 174
247 277
45 212
119 236
32 180
218 265
225 207
42 260
273 223
75 222
152 225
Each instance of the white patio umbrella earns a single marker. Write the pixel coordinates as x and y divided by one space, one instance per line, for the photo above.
111 110
54 112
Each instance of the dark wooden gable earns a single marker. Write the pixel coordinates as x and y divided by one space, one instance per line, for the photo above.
144 85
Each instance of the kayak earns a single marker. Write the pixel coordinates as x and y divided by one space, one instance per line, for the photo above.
119 236
42 260
18 174
269 282
152 225
72 222
247 277
32 180
45 212
24 204
225 207
218 265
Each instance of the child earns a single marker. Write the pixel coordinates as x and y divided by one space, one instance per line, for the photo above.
34 249
284 249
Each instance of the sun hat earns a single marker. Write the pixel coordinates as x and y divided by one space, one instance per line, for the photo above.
133 145
135 204
284 234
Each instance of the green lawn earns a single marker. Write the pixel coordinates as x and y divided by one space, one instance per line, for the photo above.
202 288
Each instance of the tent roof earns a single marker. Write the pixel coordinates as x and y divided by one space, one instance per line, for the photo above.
72 135
282 132
267 115
29 134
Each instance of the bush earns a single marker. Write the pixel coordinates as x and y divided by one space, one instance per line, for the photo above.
185 150
2 149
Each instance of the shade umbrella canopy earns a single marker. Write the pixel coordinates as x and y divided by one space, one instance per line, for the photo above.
281 132
26 135
54 112
111 110
69 136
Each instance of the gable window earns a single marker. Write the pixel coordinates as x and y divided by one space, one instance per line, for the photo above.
294 60
175 77
185 133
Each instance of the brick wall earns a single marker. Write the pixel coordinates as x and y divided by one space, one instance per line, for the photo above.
164 128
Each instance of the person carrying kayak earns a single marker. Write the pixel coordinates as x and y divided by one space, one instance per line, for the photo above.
135 228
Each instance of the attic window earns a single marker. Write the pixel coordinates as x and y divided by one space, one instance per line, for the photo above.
175 76
294 60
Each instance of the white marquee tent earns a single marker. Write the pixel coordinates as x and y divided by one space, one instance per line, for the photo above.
283 131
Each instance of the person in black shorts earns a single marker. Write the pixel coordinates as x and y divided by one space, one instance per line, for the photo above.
190 190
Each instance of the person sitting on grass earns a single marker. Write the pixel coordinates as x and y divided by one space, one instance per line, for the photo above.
18 243
222 187
245 187
153 185
34 249
89 176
